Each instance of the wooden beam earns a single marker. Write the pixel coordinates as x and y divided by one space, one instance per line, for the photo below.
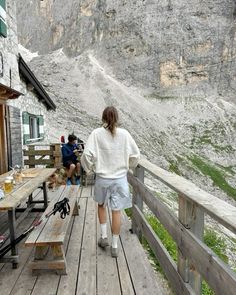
8 93
37 152
4 96
3 91
218 209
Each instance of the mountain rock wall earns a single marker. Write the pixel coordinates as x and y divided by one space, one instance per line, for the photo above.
169 47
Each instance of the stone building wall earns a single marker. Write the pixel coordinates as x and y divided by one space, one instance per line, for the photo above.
30 103
10 77
9 50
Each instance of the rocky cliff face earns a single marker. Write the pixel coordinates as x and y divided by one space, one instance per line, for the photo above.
168 66
170 47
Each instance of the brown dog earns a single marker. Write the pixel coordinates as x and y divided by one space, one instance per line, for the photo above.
57 178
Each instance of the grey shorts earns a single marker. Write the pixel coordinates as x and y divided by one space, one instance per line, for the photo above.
112 192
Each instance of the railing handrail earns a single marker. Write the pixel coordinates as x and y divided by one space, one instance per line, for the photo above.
218 209
195 259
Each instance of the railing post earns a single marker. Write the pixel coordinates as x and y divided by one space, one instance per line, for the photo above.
31 149
192 218
137 200
57 155
53 161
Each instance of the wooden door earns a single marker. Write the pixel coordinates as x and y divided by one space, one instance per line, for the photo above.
3 141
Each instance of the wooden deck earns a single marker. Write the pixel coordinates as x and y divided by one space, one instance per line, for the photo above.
91 270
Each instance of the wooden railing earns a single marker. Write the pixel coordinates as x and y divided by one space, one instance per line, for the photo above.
195 259
45 155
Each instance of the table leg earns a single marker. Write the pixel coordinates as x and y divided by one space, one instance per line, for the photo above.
45 195
12 228
30 199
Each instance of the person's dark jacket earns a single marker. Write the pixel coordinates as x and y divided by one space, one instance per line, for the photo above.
67 153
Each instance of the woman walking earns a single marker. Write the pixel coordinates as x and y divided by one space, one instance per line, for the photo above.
110 151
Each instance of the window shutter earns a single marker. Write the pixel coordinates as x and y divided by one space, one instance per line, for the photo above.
3 26
16 156
41 126
26 128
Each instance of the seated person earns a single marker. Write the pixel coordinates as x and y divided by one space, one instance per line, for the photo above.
70 153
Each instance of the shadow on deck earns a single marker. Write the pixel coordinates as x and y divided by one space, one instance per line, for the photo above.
91 270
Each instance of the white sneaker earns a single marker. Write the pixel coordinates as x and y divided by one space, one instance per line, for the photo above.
103 243
114 252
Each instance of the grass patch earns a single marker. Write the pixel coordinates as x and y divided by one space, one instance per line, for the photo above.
163 235
211 239
216 244
155 95
174 167
207 139
128 212
215 174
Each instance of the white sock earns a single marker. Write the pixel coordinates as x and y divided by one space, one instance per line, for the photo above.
104 230
115 239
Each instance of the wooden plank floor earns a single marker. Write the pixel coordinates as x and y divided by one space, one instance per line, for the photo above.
91 270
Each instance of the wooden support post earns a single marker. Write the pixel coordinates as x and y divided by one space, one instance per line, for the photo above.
45 195
53 162
192 218
137 199
12 228
31 156
57 155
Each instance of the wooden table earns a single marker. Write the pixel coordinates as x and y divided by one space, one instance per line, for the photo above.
23 192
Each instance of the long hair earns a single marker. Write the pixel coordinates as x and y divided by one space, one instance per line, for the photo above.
110 119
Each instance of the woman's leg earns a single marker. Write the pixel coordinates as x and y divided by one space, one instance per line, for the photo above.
115 222
115 232
102 216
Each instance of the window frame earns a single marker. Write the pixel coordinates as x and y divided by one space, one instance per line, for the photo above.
33 127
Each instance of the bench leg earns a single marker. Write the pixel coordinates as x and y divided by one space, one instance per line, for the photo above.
58 263
40 252
76 209
58 254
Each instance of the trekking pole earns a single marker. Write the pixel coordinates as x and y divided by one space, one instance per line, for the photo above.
62 207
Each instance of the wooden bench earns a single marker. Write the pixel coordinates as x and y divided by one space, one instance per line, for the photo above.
49 237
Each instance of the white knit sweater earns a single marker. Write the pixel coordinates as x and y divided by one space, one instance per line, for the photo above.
110 156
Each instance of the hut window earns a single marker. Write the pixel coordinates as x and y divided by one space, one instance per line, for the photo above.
33 127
